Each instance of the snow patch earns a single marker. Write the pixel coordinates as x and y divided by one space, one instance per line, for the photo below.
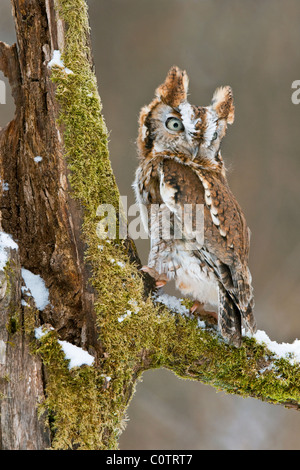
175 305
126 315
289 351
42 331
77 356
36 285
38 159
6 242
118 263
135 306
172 302
57 62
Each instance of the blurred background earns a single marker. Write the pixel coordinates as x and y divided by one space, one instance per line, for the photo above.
254 47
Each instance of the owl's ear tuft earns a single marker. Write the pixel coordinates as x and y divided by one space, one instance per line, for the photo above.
222 103
174 90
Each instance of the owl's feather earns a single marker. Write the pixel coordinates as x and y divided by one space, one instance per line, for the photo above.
226 255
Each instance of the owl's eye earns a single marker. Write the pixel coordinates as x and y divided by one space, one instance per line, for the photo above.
174 124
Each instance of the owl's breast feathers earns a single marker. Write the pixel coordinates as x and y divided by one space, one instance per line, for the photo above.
177 182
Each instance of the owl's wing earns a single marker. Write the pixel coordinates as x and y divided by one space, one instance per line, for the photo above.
225 238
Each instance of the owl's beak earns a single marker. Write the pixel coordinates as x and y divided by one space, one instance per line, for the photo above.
195 151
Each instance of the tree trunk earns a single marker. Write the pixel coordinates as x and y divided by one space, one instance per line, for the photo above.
98 300
21 373
39 213
37 209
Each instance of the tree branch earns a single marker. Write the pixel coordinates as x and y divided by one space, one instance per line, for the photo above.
9 65
99 298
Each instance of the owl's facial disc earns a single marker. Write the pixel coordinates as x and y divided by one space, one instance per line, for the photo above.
175 129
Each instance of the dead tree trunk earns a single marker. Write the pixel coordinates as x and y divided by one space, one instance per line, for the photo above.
56 170
39 213
37 209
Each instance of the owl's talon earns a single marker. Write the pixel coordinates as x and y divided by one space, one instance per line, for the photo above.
145 269
197 309
148 270
196 306
160 283
160 279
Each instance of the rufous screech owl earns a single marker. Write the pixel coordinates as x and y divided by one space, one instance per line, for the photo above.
180 172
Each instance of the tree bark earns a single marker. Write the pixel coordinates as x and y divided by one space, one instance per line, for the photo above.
21 373
50 209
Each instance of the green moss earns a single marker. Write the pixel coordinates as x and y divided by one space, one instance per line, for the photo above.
85 137
14 323
117 284
86 409
250 370
73 399
30 319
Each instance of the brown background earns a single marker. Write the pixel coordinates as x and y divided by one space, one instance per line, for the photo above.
254 47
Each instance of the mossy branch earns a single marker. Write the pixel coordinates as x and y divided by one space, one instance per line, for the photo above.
136 333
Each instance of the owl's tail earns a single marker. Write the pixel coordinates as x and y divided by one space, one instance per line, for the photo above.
229 318
249 319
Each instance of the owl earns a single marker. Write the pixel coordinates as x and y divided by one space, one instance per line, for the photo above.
199 236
